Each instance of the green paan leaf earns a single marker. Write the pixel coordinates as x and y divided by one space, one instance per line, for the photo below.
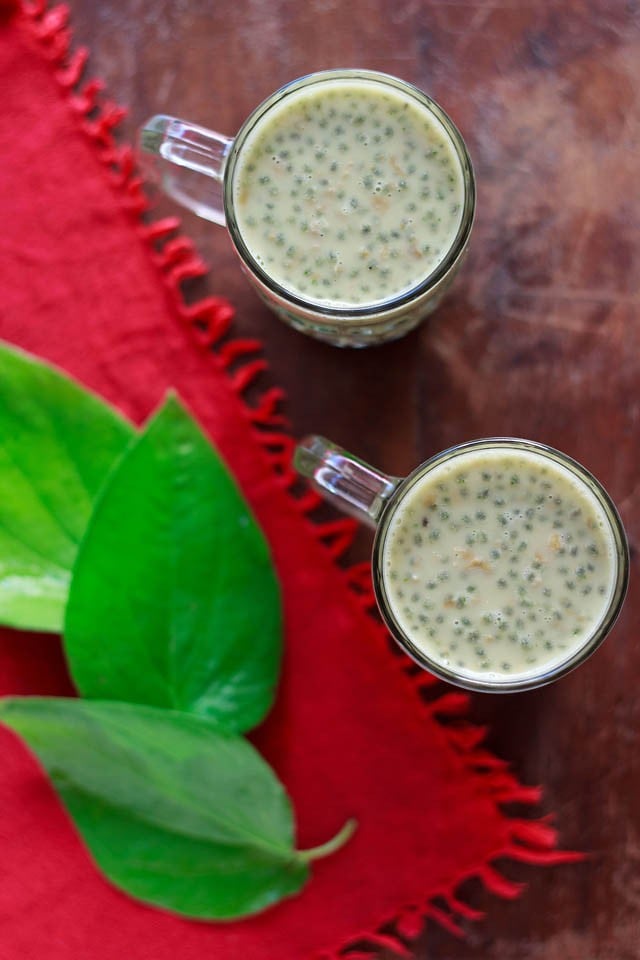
174 600
174 811
57 443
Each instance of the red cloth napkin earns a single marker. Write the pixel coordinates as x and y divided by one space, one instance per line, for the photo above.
86 284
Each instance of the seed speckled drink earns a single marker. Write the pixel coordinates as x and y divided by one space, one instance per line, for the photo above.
499 563
349 193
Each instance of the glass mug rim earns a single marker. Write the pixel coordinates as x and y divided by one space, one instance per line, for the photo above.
362 313
601 630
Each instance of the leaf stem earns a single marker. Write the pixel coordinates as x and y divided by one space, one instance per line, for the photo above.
325 849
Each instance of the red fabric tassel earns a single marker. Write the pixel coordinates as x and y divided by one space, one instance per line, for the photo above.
496 883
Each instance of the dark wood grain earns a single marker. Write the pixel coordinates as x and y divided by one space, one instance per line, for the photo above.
541 338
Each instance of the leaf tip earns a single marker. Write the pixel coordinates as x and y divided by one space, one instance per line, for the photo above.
172 402
173 410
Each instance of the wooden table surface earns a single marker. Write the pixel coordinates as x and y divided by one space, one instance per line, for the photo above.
540 338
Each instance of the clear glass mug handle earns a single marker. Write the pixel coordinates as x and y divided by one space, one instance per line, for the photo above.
352 485
188 162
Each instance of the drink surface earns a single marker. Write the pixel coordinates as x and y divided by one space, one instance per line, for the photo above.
499 564
348 192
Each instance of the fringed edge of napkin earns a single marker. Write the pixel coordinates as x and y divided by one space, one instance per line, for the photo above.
208 320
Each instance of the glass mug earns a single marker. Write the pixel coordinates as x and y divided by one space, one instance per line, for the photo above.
499 565
303 210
